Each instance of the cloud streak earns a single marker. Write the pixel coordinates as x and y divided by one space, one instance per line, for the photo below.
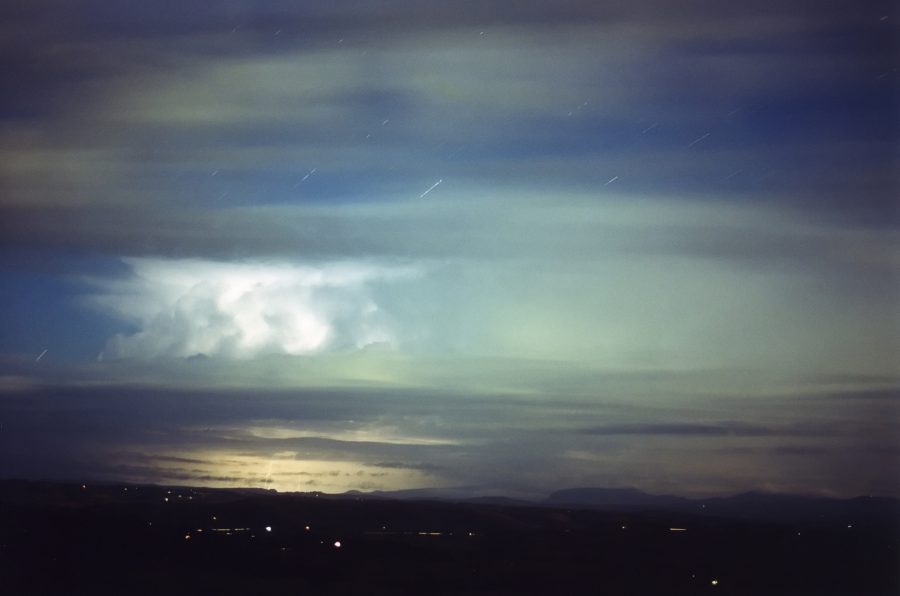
732 429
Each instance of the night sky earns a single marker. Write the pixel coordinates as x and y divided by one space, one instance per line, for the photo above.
493 247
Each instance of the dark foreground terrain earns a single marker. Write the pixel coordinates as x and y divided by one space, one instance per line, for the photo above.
74 539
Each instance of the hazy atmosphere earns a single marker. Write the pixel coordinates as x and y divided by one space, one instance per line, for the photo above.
493 247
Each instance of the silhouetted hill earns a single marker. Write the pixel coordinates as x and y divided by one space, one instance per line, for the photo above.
452 495
504 501
432 494
611 497
749 505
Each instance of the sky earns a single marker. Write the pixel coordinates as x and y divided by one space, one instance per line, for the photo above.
489 247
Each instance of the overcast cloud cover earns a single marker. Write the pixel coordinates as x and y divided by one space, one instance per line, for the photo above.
505 246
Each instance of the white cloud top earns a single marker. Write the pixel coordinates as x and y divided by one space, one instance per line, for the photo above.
240 310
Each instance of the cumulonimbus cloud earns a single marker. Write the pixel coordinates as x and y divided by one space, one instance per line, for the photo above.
182 308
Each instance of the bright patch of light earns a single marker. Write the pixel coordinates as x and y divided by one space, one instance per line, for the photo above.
228 469
715 582
337 544
240 310
268 528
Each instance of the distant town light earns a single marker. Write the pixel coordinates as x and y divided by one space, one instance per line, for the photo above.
678 529
167 499
337 544
306 528
268 528
715 582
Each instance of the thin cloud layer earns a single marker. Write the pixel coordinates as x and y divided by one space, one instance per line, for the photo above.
513 444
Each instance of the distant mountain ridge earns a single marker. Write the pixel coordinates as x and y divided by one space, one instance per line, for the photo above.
630 497
749 505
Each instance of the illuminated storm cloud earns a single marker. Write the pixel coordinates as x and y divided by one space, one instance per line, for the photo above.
183 308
